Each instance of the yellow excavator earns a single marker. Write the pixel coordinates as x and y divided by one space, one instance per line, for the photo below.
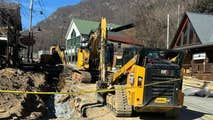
150 80
97 51
55 57
88 62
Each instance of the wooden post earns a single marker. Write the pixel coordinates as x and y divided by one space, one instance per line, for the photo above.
204 65
188 33
182 35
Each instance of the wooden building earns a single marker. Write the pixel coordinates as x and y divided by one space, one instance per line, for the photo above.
10 27
195 36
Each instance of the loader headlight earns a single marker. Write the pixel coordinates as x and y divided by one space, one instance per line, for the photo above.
140 79
131 78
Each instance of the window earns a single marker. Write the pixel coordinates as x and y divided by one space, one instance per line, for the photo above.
191 34
73 34
119 45
68 44
184 36
69 58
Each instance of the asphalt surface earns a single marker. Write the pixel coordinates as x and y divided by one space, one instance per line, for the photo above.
195 108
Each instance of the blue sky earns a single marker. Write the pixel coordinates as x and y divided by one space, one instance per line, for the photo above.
46 6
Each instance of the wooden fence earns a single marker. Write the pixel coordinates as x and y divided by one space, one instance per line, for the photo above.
198 68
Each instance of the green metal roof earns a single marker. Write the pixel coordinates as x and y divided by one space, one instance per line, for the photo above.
85 26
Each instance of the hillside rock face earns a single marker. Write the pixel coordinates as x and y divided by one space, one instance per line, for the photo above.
148 15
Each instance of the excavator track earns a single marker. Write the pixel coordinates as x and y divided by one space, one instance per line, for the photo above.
118 102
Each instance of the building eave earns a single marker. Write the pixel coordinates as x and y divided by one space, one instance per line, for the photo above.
69 28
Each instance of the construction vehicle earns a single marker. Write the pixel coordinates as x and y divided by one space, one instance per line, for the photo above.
89 62
150 80
55 57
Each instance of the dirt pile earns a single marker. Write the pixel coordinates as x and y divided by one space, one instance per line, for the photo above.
16 106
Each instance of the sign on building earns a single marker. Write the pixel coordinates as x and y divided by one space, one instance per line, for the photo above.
199 56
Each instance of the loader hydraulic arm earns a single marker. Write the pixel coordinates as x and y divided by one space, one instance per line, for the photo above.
124 69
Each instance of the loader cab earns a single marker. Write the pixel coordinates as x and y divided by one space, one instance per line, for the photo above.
154 66
150 56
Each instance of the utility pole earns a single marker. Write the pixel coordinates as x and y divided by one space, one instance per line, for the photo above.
30 52
167 37
178 22
31 14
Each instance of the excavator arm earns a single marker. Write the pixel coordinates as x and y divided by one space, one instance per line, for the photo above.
57 49
87 56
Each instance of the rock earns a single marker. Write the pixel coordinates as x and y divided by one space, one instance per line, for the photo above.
35 116
20 72
62 98
4 115
15 118
2 110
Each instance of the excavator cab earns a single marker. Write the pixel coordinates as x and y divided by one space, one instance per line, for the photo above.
56 56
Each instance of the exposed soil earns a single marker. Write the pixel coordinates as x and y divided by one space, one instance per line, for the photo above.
66 107
22 106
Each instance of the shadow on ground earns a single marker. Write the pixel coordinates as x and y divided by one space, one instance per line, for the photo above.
186 114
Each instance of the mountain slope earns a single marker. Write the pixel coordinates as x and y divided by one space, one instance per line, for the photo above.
148 15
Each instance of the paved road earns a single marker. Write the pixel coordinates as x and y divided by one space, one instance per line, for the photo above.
195 108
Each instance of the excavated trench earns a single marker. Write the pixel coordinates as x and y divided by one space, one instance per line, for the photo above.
51 86
28 106
58 106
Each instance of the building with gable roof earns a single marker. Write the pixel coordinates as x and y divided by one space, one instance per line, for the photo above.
77 33
195 36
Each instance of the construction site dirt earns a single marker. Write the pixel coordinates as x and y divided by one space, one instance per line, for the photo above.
195 107
65 107
25 106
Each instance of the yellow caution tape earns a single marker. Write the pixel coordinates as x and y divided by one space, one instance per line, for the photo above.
80 92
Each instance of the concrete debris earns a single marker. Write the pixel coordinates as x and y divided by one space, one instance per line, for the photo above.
197 87
190 91
69 106
197 92
62 108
